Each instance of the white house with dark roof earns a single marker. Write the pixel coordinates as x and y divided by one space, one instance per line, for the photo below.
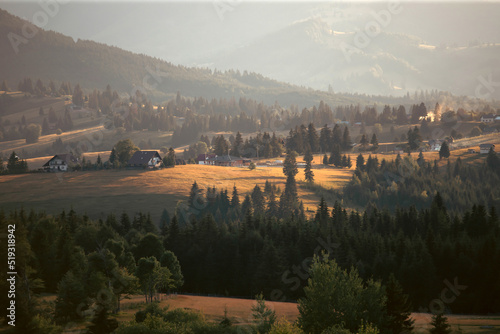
145 159
61 163
435 144
490 118
485 148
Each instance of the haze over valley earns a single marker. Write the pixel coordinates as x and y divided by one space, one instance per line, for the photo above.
264 167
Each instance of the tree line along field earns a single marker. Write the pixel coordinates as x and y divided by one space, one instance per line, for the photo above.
99 192
96 192
27 108
87 128
239 312
194 282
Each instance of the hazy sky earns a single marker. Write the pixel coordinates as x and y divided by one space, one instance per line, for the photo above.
187 32
278 39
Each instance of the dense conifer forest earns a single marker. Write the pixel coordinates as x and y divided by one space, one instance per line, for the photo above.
246 250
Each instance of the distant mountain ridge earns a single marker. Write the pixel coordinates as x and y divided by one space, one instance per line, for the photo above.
53 56
49 55
320 54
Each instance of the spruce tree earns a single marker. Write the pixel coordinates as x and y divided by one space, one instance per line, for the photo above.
235 199
440 324
289 198
169 160
346 140
237 145
258 200
272 205
268 188
313 138
360 163
196 200
335 157
112 157
398 308
322 212
247 204
374 142
325 160
444 152
343 163
414 138
16 165
309 174
325 138
421 159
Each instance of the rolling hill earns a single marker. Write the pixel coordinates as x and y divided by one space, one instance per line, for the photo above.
53 56
50 55
337 53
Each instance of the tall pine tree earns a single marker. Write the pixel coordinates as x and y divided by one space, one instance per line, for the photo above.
398 308
308 173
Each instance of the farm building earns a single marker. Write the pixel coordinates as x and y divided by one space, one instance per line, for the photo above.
145 159
485 148
203 158
61 163
225 160
398 150
490 118
435 144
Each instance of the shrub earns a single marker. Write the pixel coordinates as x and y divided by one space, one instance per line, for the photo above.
282 326
152 309
179 316
336 329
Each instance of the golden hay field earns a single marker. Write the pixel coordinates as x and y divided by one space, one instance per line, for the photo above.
239 311
99 192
